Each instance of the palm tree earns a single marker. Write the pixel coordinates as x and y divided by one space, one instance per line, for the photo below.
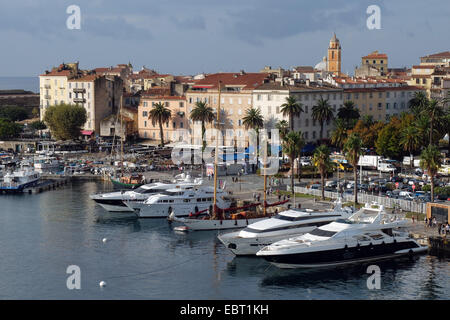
291 108
418 103
410 140
254 120
436 113
201 112
322 112
283 128
430 160
321 160
348 113
291 148
339 134
352 150
160 114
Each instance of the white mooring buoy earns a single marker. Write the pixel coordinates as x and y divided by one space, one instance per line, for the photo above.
104 240
102 284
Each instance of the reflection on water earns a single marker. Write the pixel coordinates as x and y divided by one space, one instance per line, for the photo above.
146 259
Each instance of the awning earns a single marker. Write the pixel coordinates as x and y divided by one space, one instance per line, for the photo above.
87 132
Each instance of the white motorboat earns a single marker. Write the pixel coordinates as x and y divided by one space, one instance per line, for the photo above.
181 201
17 180
369 234
289 223
128 201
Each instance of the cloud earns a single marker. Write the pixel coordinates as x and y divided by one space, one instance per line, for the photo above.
267 19
197 22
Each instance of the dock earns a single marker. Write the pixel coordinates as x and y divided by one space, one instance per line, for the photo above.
438 244
47 184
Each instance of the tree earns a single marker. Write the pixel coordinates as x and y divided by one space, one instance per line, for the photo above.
283 128
160 114
339 134
35 112
436 113
353 150
201 112
322 112
388 141
291 108
349 114
254 120
9 129
291 147
410 140
418 103
368 132
65 121
13 113
321 160
430 160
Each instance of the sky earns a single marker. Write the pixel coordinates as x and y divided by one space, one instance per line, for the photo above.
195 36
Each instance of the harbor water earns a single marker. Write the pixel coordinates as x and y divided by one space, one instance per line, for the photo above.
41 235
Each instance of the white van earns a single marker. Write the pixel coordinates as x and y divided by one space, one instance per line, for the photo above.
386 167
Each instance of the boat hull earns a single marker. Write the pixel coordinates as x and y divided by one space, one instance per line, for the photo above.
250 246
343 256
199 224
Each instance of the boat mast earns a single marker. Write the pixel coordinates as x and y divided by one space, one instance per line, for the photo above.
265 177
121 136
216 155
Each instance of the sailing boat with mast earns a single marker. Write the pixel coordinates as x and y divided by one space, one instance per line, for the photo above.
130 181
229 218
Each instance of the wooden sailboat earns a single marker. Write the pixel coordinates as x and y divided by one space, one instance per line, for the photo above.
130 181
230 218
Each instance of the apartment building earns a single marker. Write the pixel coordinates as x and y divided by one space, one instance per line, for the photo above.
379 98
269 97
99 95
376 60
236 97
54 85
149 128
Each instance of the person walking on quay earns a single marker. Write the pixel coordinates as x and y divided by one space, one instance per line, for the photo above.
426 221
447 228
434 222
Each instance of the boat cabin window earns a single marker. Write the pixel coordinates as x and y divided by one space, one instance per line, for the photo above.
376 236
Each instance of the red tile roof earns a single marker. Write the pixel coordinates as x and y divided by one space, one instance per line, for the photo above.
248 81
376 55
445 54
61 73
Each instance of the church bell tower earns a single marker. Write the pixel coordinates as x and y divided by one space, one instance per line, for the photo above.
334 56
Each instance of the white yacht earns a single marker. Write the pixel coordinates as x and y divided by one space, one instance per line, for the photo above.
127 201
16 181
285 224
182 202
369 234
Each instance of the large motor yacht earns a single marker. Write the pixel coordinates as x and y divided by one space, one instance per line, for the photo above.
285 224
369 234
183 202
127 201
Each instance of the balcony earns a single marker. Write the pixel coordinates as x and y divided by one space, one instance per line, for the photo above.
79 100
47 97
47 86
79 90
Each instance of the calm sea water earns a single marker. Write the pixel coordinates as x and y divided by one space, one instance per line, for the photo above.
42 234
25 83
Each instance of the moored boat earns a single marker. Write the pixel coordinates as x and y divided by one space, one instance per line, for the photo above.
370 234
